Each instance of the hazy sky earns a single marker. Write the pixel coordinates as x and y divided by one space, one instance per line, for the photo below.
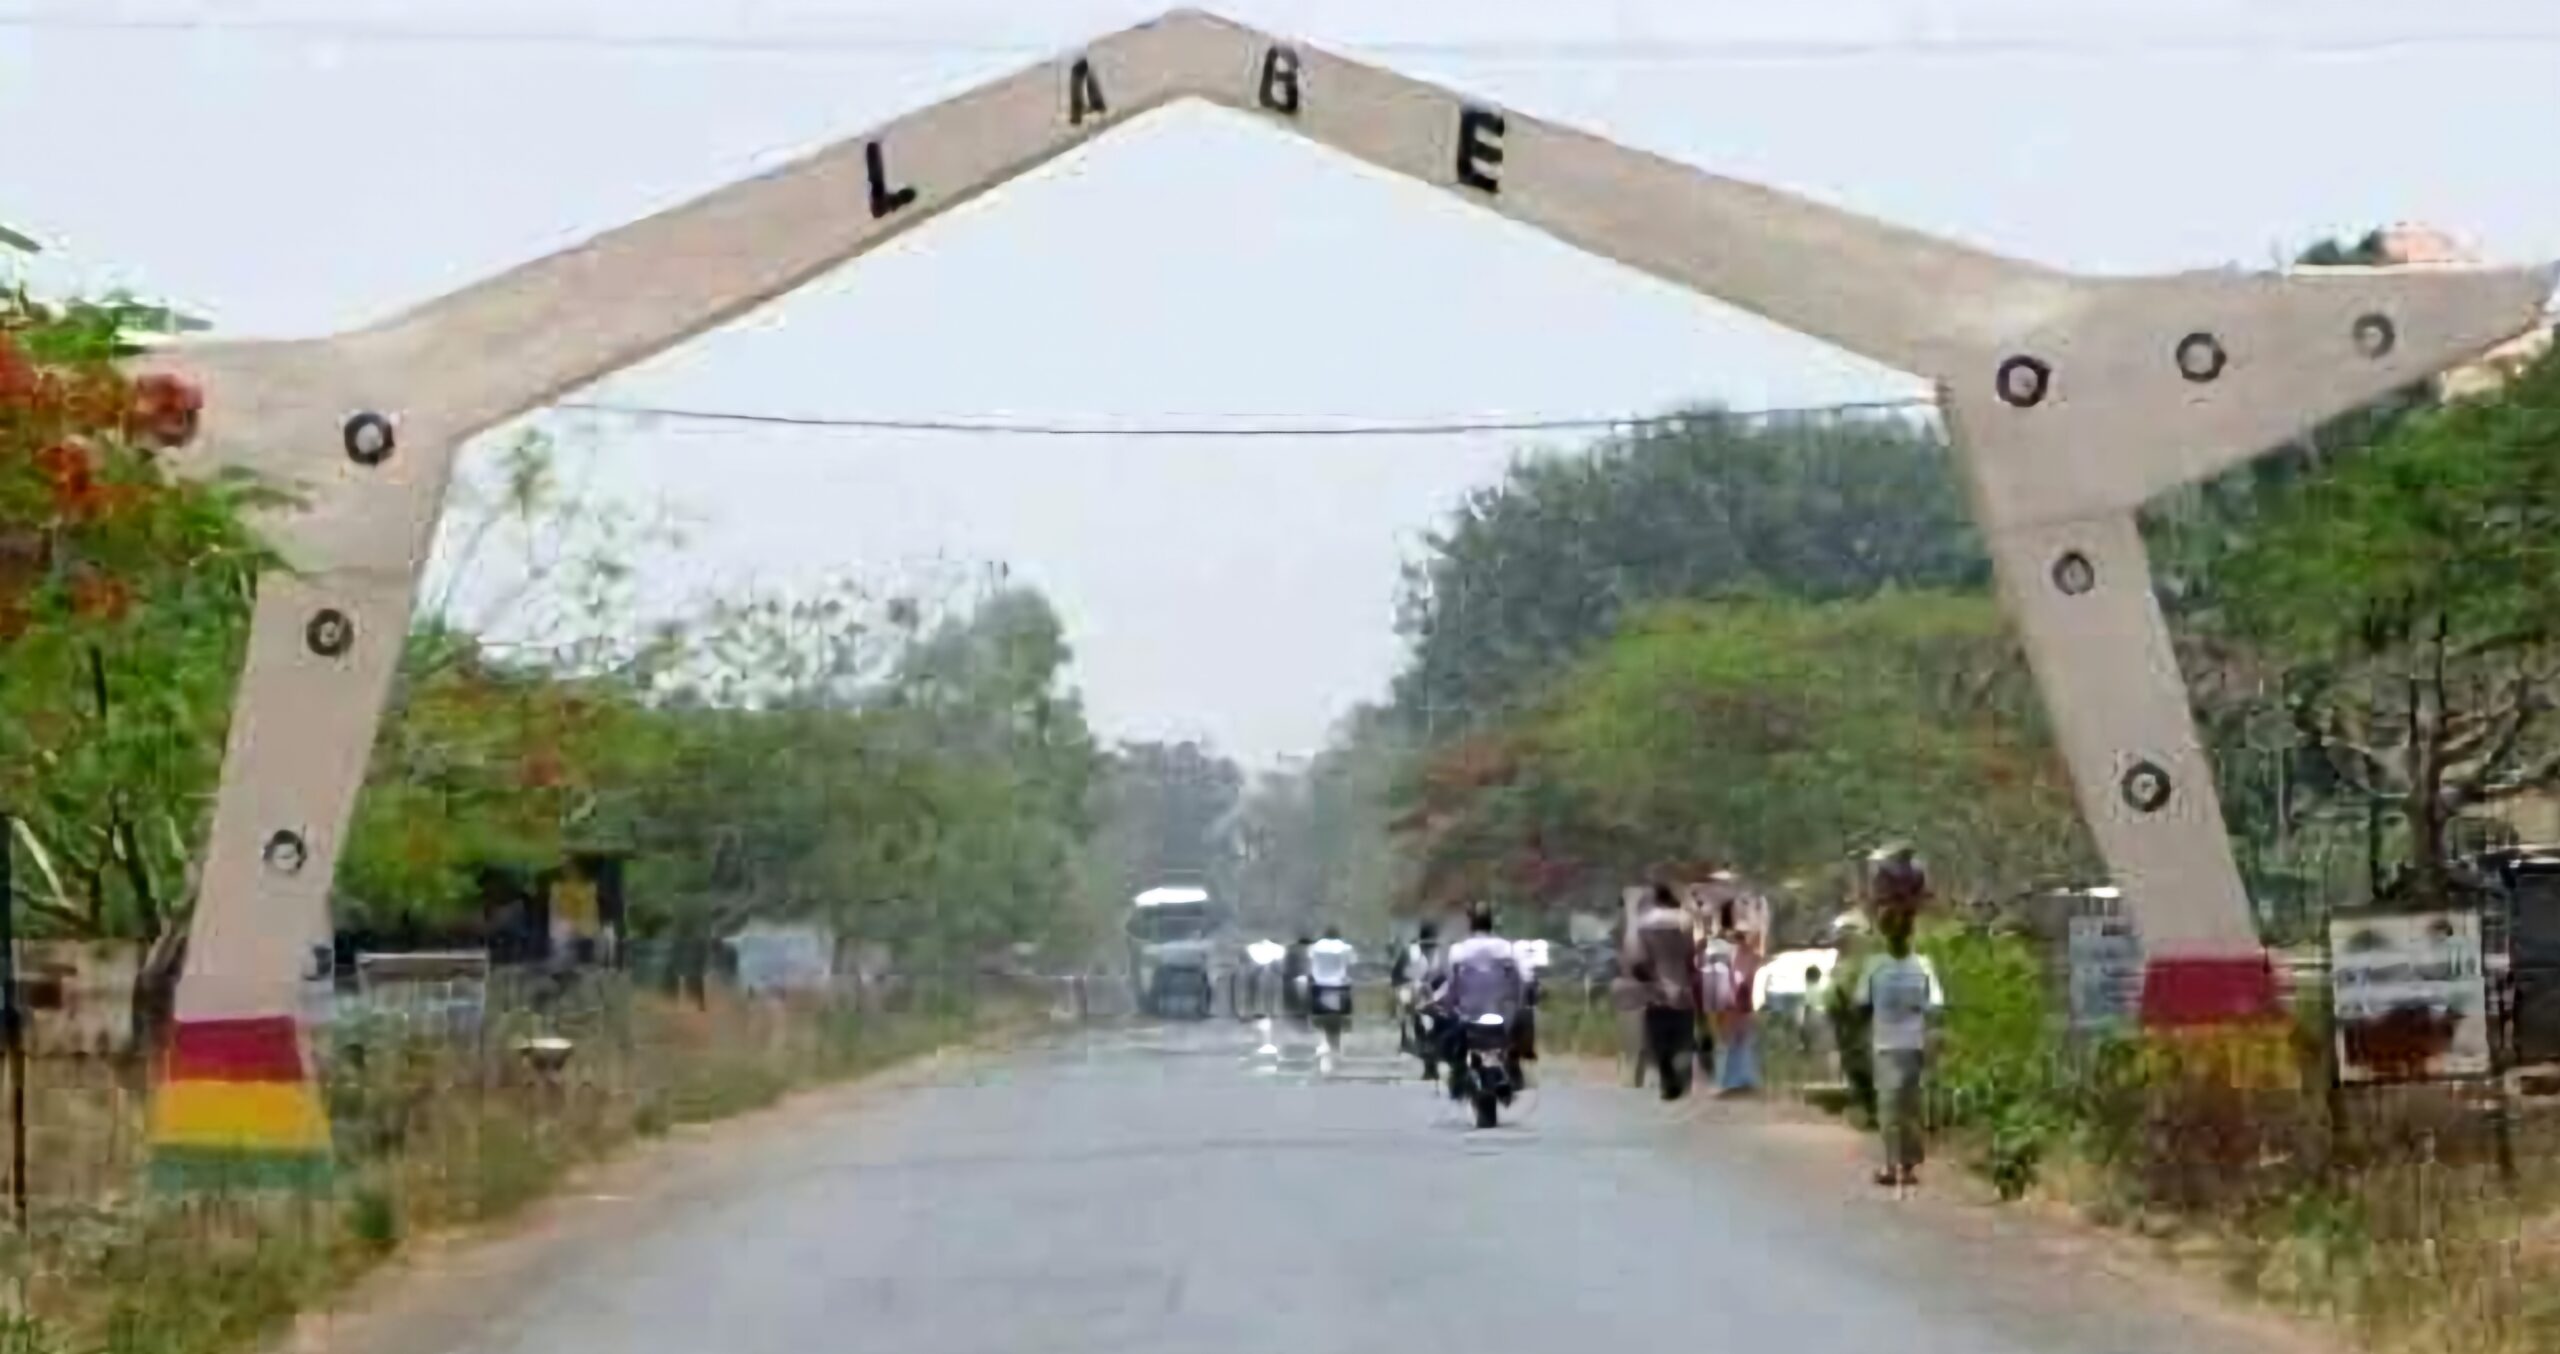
300 170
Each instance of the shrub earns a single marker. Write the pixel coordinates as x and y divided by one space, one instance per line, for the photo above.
2000 1058
373 1219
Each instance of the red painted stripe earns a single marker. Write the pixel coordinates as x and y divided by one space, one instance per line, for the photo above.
2186 990
263 1048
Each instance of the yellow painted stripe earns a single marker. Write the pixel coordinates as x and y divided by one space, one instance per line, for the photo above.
279 1116
2243 1054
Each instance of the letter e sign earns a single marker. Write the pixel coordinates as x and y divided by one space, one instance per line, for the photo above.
1480 149
1084 94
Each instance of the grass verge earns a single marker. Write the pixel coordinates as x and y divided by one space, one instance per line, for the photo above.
433 1133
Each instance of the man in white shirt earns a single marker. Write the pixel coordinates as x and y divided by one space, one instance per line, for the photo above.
1479 976
1329 993
1901 991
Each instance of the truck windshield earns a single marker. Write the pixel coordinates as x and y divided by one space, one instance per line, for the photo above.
1171 921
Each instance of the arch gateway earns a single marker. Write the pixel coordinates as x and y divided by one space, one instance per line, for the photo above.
2071 400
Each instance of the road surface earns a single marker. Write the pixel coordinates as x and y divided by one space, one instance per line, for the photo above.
1161 1189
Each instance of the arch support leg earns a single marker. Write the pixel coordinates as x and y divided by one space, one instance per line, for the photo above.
2080 593
237 1104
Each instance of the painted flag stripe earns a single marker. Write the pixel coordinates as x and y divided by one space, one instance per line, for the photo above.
2209 990
261 1048
239 1114
216 1170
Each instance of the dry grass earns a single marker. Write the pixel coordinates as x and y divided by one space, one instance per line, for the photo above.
2396 1221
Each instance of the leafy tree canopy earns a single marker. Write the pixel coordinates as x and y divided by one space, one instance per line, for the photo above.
1538 569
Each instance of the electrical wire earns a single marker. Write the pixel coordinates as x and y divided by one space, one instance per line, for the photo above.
1534 51
1451 427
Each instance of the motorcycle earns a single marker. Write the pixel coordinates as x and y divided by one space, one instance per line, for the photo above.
1487 1071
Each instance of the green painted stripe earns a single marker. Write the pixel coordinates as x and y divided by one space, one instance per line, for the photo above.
218 1170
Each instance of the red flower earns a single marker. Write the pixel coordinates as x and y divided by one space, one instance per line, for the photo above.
76 491
48 393
115 498
60 461
100 597
165 410
17 373
542 770
95 398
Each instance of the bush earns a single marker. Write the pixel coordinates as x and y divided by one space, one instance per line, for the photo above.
2000 1059
218 1285
373 1220
23 1334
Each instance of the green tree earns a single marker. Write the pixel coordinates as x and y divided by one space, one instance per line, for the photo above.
124 602
1773 737
1164 808
2414 587
911 773
1778 737
1491 816
518 724
1537 570
2278 792
2190 529
936 806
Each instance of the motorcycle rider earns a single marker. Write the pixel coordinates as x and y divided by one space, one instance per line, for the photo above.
1415 969
1479 976
1329 993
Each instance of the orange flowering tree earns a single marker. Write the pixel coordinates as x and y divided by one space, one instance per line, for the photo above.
124 599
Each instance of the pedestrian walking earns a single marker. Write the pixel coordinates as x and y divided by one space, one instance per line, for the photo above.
1903 1001
1294 987
1329 963
1732 964
1630 989
1663 952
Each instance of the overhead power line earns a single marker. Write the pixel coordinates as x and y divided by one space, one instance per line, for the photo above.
1317 426
1633 51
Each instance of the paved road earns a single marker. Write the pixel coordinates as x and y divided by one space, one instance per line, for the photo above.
1154 1190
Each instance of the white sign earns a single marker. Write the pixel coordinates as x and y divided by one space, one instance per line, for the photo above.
775 959
2409 997
2105 955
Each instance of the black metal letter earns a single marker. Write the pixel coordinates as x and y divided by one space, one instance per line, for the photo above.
1479 149
884 199
1280 81
1084 94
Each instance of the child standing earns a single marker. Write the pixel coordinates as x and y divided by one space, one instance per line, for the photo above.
1901 994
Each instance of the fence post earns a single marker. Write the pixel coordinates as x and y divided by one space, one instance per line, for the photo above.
12 1026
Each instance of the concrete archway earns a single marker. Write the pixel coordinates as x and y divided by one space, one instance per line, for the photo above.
2071 399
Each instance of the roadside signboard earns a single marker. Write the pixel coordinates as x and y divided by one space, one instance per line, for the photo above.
2105 956
774 959
2410 998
